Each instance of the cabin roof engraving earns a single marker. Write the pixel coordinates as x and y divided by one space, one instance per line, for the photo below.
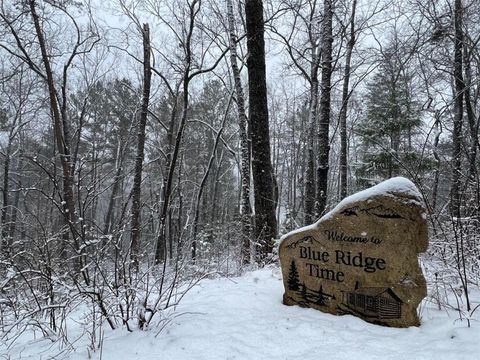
376 291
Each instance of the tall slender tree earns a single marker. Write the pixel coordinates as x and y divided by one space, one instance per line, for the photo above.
343 110
140 155
324 112
262 171
245 208
458 96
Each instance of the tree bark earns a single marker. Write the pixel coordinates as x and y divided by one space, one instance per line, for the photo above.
5 243
140 154
265 220
161 247
109 218
245 208
324 126
473 122
312 122
59 133
13 215
343 110
438 162
459 92
458 112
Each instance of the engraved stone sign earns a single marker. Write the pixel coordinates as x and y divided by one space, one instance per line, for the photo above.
362 257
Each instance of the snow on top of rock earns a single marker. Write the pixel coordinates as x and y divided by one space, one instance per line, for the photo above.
395 187
293 232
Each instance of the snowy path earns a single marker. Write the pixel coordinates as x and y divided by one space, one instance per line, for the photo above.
243 318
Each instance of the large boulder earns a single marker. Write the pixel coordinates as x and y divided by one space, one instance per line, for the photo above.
362 257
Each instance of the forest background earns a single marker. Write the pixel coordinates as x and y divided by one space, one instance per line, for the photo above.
137 157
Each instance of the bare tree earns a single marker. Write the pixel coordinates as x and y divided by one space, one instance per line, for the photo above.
191 67
142 122
324 111
16 111
343 110
458 110
57 92
245 208
262 172
306 19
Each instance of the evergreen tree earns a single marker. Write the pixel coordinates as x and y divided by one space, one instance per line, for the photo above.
105 110
293 282
392 119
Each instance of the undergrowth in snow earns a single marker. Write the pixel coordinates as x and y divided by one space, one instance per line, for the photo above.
244 318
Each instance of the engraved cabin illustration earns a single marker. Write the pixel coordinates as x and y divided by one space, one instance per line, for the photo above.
373 302
362 257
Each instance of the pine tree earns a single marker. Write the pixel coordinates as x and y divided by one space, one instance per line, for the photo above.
293 282
392 119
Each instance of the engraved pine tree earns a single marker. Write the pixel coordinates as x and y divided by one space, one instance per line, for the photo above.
303 292
321 296
293 282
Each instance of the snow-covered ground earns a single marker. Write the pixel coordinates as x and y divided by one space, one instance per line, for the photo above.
244 318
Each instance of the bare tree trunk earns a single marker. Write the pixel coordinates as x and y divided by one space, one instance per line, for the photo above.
245 208
137 180
204 181
343 110
438 132
16 201
310 183
473 122
455 206
265 221
160 251
458 113
161 247
312 120
324 126
59 128
109 218
5 243
179 233
122 146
